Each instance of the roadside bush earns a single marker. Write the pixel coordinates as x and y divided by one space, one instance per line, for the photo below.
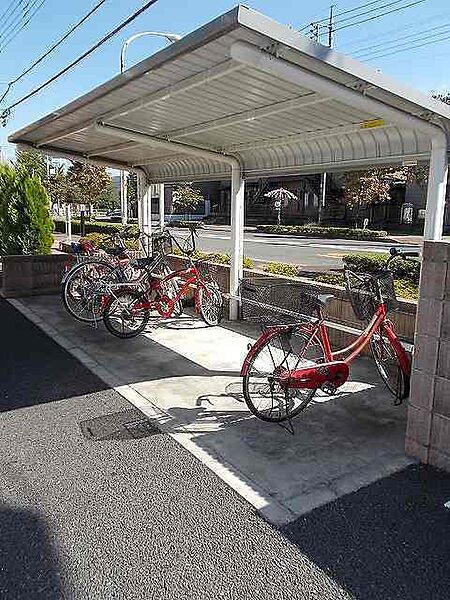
94 227
371 261
26 226
331 278
281 269
186 224
219 258
323 232
404 288
103 241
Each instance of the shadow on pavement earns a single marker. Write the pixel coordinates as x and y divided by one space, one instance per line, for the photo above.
388 540
35 367
29 569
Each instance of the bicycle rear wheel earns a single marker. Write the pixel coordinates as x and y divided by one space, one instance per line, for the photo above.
284 351
122 317
80 291
389 364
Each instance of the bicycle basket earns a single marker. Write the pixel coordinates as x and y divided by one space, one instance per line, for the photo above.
270 302
161 243
362 289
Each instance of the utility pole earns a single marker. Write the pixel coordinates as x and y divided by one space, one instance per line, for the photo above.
330 27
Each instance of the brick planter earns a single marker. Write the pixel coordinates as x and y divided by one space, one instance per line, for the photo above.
32 275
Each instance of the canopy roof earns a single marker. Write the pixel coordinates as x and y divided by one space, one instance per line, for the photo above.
242 90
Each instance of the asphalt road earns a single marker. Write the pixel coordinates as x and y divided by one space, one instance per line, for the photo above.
96 504
308 253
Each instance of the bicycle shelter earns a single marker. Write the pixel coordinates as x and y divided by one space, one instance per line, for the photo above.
245 97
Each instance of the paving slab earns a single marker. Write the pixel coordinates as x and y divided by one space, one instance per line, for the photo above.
187 376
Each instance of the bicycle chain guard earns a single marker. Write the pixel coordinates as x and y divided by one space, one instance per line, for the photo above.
328 376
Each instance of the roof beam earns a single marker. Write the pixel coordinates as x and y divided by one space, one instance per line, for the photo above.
109 148
251 56
249 115
143 138
185 85
303 137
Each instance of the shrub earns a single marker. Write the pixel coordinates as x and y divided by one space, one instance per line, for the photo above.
103 241
371 261
331 278
285 269
94 227
186 224
404 288
220 258
323 232
26 226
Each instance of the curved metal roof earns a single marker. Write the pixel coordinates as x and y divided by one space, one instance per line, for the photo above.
242 88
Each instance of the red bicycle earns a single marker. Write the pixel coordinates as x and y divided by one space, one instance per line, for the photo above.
128 309
291 361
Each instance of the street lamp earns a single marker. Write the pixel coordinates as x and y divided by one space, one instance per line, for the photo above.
171 37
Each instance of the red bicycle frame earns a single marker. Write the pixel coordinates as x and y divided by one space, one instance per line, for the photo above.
318 332
190 276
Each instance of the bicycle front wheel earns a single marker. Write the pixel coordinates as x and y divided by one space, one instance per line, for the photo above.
389 364
284 351
210 303
123 317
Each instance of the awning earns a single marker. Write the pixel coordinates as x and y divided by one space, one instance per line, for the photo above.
243 90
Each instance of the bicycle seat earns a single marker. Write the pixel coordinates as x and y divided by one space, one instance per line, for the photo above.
325 299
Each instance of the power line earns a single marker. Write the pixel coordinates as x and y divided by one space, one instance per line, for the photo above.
385 34
11 83
24 25
107 37
410 47
7 23
368 12
386 45
324 20
380 15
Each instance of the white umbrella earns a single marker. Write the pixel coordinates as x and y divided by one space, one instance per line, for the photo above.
281 197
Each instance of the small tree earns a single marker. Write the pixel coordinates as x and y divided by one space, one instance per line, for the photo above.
186 199
108 198
26 225
33 162
89 181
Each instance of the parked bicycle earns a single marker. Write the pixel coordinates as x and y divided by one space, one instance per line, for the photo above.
292 359
83 282
129 307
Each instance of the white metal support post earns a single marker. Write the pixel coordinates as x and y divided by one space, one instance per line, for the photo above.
147 217
69 222
161 206
437 185
123 197
237 237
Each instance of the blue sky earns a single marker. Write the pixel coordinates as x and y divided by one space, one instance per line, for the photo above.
424 68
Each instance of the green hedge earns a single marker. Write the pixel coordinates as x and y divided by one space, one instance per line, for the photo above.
323 232
222 258
94 227
285 269
368 262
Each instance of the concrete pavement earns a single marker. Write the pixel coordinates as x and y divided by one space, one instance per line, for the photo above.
187 377
97 504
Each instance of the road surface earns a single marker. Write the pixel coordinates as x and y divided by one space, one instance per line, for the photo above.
308 253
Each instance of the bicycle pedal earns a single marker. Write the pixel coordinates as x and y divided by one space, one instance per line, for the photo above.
328 388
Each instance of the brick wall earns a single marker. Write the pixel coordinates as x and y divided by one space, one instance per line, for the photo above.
428 431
